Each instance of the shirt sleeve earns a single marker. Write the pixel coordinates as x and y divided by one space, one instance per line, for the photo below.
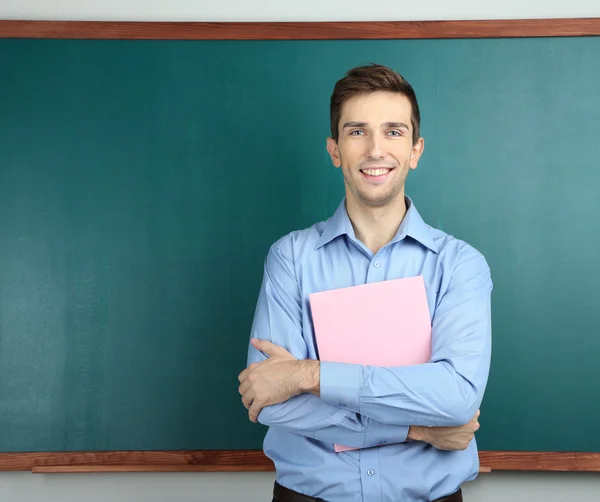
278 318
449 389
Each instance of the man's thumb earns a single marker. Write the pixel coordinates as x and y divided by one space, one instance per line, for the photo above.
264 346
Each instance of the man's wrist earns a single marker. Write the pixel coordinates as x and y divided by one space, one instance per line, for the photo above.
415 433
309 376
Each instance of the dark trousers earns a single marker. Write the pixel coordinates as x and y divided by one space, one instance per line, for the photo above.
283 494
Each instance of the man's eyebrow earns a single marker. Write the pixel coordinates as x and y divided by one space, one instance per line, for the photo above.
354 124
397 125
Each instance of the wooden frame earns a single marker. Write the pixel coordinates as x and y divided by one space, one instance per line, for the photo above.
301 31
255 460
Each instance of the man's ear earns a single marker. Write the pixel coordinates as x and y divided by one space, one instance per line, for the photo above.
417 151
334 152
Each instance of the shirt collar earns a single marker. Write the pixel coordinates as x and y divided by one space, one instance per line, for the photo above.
412 226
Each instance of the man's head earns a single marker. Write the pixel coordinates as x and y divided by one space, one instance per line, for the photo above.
368 79
375 133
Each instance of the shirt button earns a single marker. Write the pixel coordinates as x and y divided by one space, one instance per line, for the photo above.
370 472
376 264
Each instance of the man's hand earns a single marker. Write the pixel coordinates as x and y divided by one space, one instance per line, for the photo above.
276 379
446 438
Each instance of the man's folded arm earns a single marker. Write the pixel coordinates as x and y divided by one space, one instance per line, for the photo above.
278 319
444 392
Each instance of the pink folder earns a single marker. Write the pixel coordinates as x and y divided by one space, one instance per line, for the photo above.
378 324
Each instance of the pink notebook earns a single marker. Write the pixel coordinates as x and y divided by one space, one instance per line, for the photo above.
379 324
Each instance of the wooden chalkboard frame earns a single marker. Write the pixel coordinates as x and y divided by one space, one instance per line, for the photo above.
255 460
133 30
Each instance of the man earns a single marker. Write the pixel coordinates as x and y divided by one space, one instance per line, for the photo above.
413 425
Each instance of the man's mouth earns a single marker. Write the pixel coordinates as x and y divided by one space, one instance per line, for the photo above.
376 172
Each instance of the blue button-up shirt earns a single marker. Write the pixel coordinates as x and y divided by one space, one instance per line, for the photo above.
373 407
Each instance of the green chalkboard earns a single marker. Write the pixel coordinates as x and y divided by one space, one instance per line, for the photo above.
142 183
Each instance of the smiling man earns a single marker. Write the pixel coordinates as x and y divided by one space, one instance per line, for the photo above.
413 425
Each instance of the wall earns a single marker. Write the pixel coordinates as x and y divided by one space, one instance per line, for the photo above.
256 487
307 10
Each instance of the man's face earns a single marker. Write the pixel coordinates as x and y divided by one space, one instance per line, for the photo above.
375 148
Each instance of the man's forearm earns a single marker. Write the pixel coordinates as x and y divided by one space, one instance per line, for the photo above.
307 415
430 394
444 438
308 381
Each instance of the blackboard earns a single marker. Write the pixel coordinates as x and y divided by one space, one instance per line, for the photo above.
142 182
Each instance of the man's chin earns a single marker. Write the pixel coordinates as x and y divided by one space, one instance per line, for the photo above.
378 200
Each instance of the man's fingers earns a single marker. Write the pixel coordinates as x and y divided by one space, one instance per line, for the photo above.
243 388
247 399
244 374
268 348
476 424
254 410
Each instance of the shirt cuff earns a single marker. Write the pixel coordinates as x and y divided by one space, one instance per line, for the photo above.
340 385
379 434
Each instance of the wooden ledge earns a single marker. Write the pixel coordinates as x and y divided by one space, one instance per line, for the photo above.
256 461
540 461
71 469
133 30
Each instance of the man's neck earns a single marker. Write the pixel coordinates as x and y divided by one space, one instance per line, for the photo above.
376 226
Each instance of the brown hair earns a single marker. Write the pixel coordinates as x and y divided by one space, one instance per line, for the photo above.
367 79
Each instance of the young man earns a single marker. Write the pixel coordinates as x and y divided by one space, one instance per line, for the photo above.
414 425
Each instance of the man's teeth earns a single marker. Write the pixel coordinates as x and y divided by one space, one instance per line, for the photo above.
376 172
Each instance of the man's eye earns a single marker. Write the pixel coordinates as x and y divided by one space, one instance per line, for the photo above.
395 133
356 133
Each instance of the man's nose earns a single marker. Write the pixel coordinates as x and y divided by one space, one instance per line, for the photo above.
375 148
